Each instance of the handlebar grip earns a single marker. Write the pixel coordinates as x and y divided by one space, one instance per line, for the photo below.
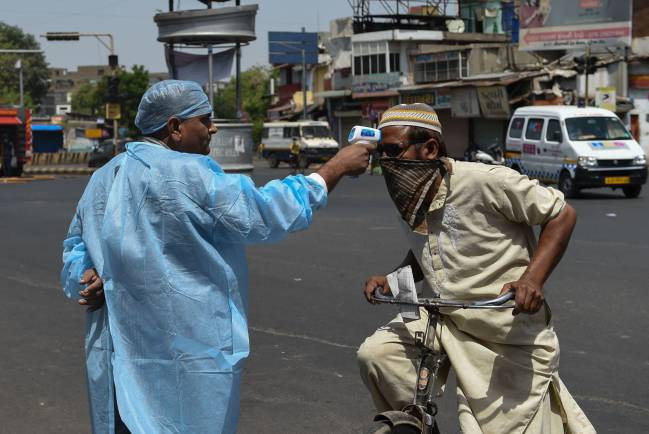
378 294
497 301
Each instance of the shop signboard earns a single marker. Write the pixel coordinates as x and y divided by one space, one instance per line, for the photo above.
464 103
438 99
569 24
494 103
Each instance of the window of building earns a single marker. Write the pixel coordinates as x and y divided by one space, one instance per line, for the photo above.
370 58
516 129
534 129
394 62
441 67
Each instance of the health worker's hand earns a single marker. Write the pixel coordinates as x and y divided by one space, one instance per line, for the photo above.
93 294
353 159
350 160
529 295
376 282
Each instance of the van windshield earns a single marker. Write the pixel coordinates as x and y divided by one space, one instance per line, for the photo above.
596 128
316 131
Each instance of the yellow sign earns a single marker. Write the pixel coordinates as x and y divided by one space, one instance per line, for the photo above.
606 98
93 133
113 110
617 180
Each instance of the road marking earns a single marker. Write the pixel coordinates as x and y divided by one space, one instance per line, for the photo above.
274 332
612 402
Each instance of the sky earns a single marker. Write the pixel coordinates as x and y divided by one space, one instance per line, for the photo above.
135 33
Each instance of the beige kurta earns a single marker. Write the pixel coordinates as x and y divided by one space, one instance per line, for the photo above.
480 236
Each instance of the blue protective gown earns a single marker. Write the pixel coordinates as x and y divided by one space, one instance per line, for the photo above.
166 231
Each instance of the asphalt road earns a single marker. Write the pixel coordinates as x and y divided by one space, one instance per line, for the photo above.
307 315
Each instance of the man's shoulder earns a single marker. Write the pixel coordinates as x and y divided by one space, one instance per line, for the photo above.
168 161
468 171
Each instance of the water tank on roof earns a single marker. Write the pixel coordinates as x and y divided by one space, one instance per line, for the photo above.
207 26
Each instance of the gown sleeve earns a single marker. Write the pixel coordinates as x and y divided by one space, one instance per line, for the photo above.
247 214
76 260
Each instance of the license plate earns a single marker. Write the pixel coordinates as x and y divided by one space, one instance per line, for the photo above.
617 180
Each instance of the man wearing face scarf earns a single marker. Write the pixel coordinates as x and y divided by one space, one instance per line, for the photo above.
470 233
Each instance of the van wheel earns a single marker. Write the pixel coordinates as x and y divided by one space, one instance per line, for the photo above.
273 161
632 191
567 185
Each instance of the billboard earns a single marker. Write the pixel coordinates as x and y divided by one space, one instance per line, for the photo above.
286 47
568 24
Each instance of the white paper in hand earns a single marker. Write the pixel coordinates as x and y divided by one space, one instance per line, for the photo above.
402 286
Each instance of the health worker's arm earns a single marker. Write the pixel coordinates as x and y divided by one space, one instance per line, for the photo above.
247 214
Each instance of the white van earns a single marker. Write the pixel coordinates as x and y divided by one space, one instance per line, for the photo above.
314 138
575 148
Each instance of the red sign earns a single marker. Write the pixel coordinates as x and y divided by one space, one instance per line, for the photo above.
529 148
639 81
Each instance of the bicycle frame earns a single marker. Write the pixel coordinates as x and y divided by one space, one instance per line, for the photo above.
424 407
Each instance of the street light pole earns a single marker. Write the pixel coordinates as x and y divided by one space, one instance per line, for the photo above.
20 78
303 84
74 36
19 67
210 70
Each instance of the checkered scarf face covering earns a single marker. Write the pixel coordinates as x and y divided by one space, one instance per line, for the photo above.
409 183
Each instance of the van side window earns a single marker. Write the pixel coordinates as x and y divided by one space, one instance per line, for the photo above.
264 133
553 133
516 130
534 129
287 132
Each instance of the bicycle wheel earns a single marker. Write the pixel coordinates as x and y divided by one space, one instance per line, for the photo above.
385 428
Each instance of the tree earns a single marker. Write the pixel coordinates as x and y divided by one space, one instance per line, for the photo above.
35 73
254 91
91 98
86 100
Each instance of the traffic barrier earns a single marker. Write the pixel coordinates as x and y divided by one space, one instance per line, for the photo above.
55 158
59 163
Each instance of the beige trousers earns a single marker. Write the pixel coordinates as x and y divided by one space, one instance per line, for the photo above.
388 361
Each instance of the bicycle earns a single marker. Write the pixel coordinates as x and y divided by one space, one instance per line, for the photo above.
419 417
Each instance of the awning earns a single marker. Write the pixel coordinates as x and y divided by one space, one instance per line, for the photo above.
10 120
333 93
380 94
47 128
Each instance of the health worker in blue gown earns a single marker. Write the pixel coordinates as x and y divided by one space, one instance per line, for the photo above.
160 235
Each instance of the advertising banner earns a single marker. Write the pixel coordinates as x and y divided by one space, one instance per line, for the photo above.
567 24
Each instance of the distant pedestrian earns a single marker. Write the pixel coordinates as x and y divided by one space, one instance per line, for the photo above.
7 154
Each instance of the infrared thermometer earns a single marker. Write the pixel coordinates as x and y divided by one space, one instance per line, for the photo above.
359 133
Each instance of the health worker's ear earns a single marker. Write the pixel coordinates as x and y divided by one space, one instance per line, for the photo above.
174 129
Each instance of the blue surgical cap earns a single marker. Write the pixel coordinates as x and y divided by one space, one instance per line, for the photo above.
167 98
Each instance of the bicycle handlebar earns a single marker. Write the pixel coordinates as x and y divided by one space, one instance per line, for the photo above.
496 303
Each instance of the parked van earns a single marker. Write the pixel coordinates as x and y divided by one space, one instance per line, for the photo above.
575 147
314 138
